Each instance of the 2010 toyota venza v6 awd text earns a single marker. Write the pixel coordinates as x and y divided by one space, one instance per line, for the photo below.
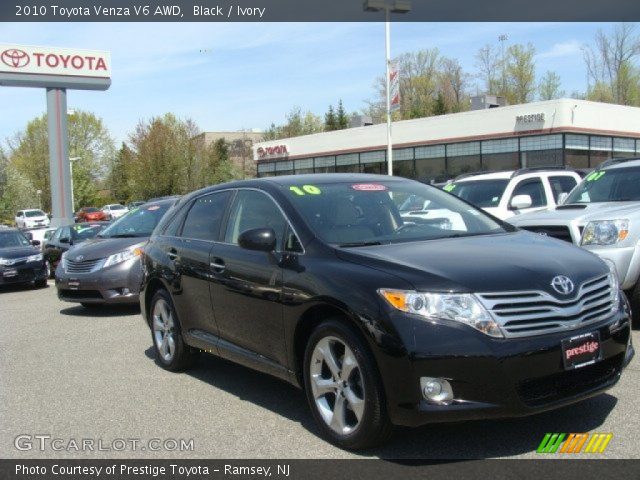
382 319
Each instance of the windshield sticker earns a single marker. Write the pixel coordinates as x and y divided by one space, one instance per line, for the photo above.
449 188
593 176
369 187
310 189
152 208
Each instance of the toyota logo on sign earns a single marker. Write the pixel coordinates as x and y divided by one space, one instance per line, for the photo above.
562 284
15 58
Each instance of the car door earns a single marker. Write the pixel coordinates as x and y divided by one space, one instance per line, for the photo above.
190 252
52 247
246 286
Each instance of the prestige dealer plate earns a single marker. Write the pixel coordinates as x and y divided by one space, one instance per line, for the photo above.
581 350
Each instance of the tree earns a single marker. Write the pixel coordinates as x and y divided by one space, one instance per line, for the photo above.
488 64
119 177
439 107
89 142
453 85
613 75
520 73
297 124
342 120
330 121
549 87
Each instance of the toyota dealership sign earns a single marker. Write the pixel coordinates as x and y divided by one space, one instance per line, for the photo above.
22 65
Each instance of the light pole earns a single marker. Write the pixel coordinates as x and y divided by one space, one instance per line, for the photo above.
503 38
397 6
73 200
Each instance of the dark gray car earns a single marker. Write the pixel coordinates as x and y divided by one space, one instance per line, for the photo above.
107 269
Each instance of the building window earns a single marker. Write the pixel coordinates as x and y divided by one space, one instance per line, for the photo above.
402 154
463 158
541 151
266 169
403 168
600 150
347 163
373 162
500 154
284 168
577 151
623 147
304 165
325 164
430 163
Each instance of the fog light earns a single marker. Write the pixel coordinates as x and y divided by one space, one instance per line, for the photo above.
436 390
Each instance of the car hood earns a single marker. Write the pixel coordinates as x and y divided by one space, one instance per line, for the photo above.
487 263
582 213
96 248
36 219
18 252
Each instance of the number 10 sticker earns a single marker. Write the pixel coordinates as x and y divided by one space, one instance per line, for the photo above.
310 189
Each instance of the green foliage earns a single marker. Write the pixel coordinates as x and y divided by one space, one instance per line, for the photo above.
330 122
342 120
297 124
549 87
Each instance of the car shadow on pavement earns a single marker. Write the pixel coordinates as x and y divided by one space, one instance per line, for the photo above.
101 311
20 288
440 441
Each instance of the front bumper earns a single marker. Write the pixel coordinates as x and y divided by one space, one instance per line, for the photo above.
118 284
494 378
23 273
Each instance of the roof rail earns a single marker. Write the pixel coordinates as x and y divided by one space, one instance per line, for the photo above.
522 171
472 174
615 161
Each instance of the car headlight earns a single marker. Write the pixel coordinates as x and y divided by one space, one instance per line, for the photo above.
463 308
5 261
35 258
605 232
614 283
123 256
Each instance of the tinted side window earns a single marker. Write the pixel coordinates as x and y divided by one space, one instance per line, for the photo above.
534 188
205 216
253 209
173 228
561 184
56 235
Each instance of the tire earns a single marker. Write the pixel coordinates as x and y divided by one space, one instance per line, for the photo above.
169 347
362 420
634 299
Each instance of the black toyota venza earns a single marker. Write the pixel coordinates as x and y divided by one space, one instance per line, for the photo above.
383 319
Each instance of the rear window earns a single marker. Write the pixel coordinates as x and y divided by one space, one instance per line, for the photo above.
34 213
481 193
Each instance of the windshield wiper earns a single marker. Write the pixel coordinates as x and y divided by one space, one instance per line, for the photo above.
570 206
123 235
360 244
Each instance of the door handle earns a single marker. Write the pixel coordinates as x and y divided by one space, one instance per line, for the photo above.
172 254
218 265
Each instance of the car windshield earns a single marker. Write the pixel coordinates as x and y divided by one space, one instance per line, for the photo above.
13 239
611 185
34 213
116 207
351 214
83 232
90 210
139 222
482 193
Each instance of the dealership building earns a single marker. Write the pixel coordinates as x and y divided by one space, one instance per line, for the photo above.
566 132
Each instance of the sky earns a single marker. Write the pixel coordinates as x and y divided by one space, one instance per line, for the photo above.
228 77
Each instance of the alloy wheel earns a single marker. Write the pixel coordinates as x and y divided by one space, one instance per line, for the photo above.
337 385
164 332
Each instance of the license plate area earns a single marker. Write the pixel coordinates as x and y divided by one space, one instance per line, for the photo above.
581 350
74 284
12 272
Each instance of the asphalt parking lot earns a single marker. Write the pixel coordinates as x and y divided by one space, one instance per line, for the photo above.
72 373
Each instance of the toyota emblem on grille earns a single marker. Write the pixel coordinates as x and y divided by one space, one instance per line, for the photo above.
562 284
79 258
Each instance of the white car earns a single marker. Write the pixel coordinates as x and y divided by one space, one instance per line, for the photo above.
114 211
510 193
31 218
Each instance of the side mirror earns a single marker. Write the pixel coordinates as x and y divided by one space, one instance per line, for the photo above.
261 239
35 243
562 197
521 201
65 240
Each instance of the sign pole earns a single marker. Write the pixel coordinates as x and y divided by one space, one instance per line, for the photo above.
388 62
59 169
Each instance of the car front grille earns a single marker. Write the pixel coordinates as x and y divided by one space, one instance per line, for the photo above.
560 232
528 313
85 266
